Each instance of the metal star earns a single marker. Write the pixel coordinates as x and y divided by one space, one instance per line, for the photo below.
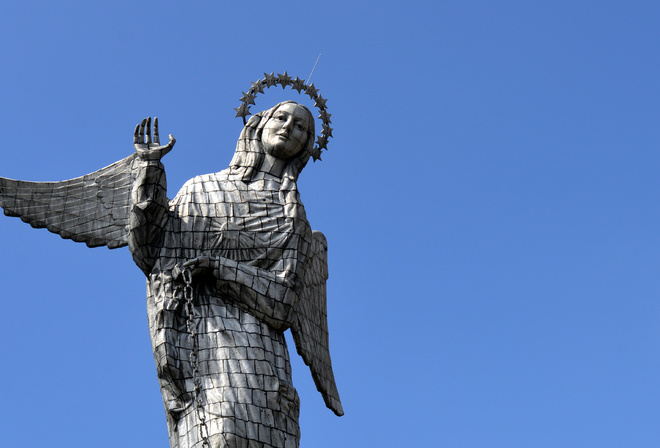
257 87
298 84
285 79
248 98
316 154
322 142
325 116
311 90
271 80
327 131
320 102
242 110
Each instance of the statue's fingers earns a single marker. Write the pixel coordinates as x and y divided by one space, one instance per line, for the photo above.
136 133
143 123
198 265
167 148
156 137
147 133
191 266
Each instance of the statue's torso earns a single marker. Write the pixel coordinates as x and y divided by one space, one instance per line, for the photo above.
246 375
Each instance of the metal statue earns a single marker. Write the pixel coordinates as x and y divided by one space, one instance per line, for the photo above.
231 263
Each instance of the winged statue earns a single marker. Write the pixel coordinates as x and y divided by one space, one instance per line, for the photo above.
231 263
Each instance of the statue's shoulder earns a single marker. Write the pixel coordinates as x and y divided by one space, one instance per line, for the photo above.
204 181
202 184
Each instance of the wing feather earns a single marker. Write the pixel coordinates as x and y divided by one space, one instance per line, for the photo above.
92 209
310 325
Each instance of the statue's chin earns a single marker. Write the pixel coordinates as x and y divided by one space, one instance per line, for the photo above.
284 150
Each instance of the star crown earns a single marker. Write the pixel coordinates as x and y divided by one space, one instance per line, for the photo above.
297 84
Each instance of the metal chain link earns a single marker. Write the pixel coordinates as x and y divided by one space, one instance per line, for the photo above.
194 360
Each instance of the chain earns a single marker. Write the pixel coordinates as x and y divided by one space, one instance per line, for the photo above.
194 361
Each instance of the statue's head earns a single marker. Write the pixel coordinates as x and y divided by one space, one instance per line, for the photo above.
285 131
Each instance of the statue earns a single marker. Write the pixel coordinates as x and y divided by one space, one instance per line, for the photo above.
231 263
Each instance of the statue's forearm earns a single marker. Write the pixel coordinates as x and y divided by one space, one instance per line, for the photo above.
269 296
149 213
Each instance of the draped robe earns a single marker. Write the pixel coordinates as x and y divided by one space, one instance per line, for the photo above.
256 236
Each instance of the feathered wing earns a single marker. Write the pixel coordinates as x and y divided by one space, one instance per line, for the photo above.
310 324
92 209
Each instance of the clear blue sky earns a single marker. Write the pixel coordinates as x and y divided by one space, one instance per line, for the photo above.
490 200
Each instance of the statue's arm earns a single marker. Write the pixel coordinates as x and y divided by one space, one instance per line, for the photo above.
149 203
268 295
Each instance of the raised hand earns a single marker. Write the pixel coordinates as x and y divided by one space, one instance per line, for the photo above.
142 141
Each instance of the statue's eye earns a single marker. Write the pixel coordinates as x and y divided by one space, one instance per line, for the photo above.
300 126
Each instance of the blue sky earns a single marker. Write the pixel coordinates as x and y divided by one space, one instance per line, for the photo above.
490 199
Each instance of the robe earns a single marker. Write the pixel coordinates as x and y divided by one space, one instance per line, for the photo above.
256 236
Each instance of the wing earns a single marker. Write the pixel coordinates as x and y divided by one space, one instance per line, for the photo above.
93 209
310 324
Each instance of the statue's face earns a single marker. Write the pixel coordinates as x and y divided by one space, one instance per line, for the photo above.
285 133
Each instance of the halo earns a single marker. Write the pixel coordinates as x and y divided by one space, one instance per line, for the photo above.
298 84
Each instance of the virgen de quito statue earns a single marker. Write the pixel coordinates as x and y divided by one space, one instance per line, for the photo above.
231 263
